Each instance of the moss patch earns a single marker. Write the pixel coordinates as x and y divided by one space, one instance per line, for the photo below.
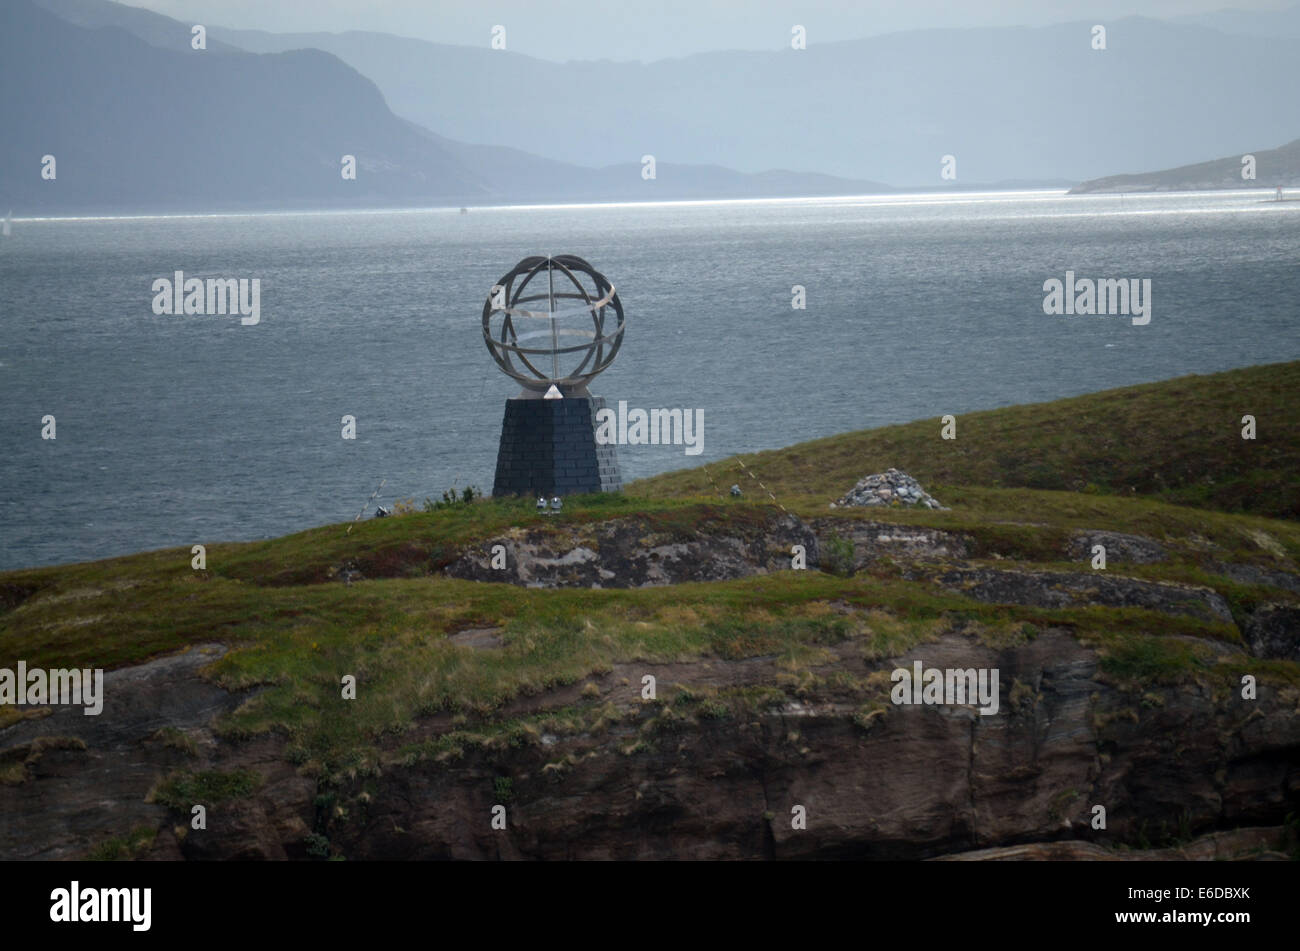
183 790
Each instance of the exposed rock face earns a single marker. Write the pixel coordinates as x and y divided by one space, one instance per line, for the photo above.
631 553
874 540
1056 589
72 797
138 701
891 487
1122 548
1274 631
663 780
1254 574
910 782
916 782
1260 844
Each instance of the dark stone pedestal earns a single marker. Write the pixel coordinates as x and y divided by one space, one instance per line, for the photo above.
548 448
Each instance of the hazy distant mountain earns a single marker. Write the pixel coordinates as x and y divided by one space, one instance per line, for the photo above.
137 126
519 176
1285 23
153 28
134 126
1008 103
1273 167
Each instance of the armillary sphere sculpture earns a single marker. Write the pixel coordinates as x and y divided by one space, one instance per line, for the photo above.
553 323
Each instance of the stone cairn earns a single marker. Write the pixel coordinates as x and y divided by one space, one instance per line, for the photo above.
891 487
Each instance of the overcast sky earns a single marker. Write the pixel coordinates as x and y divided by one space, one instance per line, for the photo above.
632 29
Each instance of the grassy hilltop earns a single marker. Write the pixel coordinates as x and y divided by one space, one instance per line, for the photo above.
453 671
1177 441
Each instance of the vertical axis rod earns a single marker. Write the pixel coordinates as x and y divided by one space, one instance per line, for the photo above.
555 335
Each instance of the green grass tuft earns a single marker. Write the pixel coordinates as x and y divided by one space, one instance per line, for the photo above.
183 790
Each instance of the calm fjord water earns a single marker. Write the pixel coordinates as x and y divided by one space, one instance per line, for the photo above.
173 430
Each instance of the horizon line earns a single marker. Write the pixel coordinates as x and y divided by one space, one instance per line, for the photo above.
938 196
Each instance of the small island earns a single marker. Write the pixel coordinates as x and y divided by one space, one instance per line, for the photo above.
1273 168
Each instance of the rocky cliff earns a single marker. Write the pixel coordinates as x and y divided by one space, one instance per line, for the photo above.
732 744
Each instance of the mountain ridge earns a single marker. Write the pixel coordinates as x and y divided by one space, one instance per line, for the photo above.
884 108
266 132
1279 167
